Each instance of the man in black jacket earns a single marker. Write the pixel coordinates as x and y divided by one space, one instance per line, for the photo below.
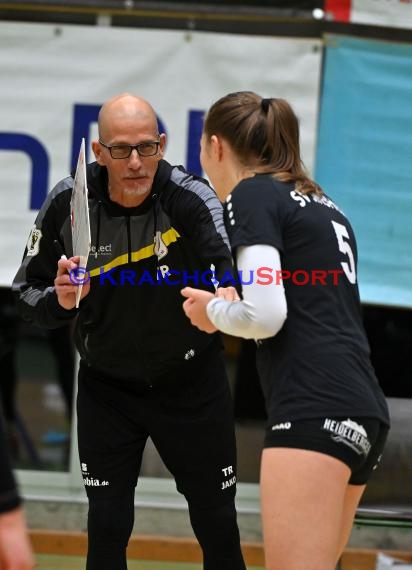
144 369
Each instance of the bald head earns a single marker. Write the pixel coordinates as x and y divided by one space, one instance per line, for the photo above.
125 108
129 123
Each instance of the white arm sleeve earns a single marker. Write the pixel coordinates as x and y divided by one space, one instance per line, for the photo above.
263 310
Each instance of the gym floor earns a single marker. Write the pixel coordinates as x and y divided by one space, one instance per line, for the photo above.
52 562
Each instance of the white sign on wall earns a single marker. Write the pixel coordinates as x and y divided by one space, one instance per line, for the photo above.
58 76
397 13
388 13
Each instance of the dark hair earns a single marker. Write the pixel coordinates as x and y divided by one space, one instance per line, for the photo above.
263 134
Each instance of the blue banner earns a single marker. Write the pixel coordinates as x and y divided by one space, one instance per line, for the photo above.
364 158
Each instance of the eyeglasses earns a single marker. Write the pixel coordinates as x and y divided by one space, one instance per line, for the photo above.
147 148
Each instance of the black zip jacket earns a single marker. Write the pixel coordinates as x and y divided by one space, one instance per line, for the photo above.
131 324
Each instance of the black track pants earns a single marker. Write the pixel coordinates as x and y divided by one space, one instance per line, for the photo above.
190 421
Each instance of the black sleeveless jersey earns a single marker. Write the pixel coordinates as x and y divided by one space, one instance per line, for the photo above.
318 364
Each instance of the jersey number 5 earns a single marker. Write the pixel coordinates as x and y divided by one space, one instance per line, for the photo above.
344 247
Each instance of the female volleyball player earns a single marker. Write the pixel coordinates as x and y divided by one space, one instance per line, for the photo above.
296 256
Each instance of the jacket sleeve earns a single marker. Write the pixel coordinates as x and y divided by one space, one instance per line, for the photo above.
33 284
195 206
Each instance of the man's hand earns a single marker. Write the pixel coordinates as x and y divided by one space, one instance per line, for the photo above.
67 281
195 308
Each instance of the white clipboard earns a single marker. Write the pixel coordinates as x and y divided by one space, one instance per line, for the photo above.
80 221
